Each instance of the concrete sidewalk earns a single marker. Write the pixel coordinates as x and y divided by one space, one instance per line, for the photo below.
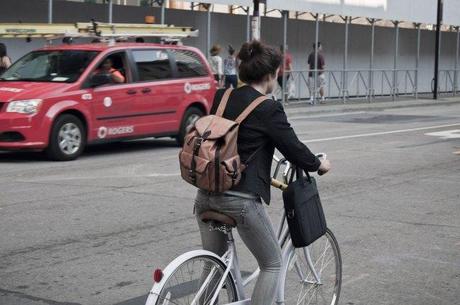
304 108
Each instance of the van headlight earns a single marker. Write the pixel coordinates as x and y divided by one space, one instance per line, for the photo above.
24 106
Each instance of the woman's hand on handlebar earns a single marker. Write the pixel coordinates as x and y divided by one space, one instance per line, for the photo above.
325 165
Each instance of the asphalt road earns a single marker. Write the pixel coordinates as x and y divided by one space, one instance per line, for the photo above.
91 231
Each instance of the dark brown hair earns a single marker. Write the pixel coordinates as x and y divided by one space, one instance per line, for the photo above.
2 50
257 61
215 50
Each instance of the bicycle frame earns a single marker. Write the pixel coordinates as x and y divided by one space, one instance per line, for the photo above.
231 258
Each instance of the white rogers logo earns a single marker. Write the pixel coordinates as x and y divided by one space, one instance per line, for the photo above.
188 88
113 131
102 132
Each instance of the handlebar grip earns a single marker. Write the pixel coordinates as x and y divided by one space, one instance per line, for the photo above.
320 172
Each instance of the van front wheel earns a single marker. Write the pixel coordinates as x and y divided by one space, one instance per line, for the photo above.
67 138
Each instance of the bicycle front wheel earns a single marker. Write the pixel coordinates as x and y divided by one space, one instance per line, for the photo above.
315 273
194 281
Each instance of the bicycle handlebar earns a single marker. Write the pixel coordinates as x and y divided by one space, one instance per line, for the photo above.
279 162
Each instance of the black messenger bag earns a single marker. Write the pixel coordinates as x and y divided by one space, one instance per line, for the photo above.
304 212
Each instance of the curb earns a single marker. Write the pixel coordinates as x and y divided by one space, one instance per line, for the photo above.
304 108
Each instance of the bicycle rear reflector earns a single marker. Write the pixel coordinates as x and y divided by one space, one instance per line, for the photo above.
157 275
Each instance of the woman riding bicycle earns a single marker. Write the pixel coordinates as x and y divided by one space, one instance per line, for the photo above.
265 129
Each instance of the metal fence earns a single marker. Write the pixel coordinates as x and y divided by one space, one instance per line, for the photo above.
364 84
449 82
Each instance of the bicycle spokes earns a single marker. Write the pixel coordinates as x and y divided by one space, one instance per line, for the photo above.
314 274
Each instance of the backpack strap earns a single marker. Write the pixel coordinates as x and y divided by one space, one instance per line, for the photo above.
243 116
223 102
250 108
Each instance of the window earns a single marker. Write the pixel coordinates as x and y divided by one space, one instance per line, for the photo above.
50 66
113 66
189 64
152 65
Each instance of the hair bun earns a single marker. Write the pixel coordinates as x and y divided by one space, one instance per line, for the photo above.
257 61
245 52
250 49
257 48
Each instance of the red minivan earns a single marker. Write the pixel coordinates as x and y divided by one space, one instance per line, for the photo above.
61 98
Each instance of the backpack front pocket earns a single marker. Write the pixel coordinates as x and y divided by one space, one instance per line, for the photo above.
194 170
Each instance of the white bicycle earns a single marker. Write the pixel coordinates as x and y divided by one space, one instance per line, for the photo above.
310 275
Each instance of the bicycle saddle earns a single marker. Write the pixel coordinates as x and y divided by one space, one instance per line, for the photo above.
217 217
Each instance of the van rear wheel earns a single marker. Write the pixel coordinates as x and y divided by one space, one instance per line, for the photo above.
190 117
67 138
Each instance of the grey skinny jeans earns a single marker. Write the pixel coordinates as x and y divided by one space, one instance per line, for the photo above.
256 230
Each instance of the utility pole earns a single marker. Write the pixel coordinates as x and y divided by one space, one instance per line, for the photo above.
50 11
255 24
437 47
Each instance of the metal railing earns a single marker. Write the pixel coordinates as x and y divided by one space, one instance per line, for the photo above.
351 84
449 82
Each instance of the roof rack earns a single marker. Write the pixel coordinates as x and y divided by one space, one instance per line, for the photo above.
94 29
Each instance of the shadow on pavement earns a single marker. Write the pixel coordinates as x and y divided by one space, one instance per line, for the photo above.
92 150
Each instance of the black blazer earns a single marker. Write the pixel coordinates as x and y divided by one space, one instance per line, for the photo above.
266 126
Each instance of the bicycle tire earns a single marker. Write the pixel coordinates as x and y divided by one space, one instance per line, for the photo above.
184 276
301 289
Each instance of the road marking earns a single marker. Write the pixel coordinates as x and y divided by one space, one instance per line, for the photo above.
379 133
326 115
355 279
51 179
446 134
164 175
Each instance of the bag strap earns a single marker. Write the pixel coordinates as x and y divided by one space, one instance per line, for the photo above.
250 108
299 174
223 102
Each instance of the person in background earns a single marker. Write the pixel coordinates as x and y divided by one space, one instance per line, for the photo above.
107 68
321 80
230 65
216 64
5 61
288 63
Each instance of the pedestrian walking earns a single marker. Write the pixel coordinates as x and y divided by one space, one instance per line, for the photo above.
216 63
321 79
288 64
5 61
230 66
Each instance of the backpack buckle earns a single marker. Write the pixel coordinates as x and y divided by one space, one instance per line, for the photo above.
197 145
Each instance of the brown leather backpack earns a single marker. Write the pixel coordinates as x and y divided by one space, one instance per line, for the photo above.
209 158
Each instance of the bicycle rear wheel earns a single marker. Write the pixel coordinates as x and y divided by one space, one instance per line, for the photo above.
195 278
302 287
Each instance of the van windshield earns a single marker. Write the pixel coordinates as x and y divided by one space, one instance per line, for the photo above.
64 66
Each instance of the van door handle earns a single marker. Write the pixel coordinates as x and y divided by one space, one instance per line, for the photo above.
146 90
131 91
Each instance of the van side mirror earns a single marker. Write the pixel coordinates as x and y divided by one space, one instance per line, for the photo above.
100 79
